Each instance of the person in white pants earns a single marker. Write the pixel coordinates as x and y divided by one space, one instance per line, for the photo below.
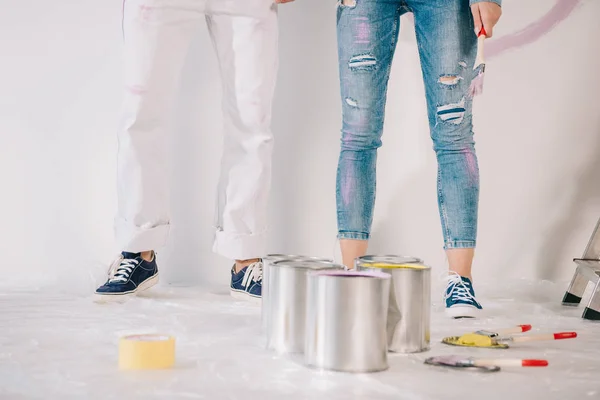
157 35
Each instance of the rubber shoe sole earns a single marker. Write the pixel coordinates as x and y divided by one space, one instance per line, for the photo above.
462 311
147 284
245 296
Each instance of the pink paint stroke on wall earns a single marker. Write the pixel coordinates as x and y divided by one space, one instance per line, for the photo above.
532 32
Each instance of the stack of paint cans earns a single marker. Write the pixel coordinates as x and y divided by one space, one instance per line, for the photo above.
346 320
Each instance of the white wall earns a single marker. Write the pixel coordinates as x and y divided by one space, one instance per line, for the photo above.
537 129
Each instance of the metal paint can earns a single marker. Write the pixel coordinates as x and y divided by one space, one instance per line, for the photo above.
408 321
267 262
286 307
346 317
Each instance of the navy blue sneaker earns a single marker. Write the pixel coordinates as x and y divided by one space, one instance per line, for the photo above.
129 274
247 284
460 297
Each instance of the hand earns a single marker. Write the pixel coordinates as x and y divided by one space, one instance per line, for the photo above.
283 1
486 14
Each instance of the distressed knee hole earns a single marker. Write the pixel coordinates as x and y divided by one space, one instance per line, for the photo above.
351 102
365 62
450 80
453 113
348 3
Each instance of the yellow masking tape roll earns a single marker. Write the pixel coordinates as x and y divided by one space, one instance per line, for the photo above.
146 352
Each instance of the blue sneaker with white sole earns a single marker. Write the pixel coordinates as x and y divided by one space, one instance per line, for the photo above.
460 297
247 284
128 275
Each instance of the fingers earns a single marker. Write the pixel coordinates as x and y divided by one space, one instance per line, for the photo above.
488 21
476 18
485 16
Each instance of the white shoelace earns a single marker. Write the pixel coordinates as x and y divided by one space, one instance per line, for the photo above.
459 290
252 274
120 269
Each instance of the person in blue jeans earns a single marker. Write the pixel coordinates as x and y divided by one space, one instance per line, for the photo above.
446 32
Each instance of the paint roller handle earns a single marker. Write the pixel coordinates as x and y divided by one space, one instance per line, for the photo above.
565 335
516 329
510 363
546 336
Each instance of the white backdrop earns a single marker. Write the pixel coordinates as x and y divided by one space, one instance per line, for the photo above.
537 130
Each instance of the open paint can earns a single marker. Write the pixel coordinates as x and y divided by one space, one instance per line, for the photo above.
408 320
346 317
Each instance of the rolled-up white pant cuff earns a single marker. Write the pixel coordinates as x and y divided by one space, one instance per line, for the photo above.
135 239
236 246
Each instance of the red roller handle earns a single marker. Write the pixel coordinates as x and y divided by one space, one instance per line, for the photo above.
525 328
510 363
534 363
565 335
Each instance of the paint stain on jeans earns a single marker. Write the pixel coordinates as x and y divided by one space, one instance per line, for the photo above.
145 12
363 33
348 185
471 161
136 89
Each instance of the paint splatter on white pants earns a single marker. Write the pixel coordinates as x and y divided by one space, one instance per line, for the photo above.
157 35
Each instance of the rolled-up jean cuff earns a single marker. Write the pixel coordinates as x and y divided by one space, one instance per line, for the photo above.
135 239
240 246
353 235
459 244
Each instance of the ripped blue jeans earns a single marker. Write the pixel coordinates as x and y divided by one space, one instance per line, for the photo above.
367 33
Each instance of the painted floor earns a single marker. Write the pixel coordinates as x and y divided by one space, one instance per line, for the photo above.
57 345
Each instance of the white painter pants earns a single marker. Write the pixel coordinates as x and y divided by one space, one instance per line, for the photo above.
157 35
